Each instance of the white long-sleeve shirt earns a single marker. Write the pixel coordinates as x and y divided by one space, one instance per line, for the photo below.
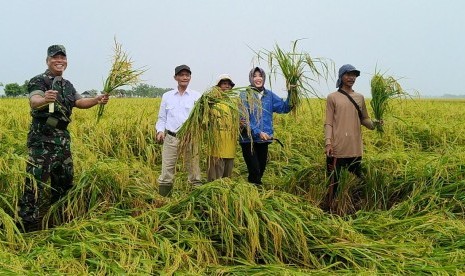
175 109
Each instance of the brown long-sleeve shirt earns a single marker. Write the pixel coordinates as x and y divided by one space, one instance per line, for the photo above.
343 126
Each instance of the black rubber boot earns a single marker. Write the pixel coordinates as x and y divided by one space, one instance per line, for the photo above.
29 226
165 190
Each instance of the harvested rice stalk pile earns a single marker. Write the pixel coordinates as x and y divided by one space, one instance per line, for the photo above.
383 89
121 74
213 111
299 69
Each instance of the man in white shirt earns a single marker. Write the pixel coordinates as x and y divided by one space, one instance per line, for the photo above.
174 110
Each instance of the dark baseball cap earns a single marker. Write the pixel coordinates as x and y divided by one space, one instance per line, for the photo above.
346 68
180 68
56 49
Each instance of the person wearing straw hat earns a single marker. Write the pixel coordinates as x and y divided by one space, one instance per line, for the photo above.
51 98
345 113
260 105
174 110
221 159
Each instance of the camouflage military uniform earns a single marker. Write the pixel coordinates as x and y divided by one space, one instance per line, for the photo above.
48 142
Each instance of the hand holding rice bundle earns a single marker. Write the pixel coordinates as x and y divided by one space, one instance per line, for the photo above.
121 74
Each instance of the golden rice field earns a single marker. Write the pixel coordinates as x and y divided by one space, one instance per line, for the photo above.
405 217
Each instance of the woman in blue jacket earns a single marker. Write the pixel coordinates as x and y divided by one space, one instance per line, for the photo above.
255 144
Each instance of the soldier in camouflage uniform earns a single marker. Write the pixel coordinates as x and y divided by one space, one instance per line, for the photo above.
52 99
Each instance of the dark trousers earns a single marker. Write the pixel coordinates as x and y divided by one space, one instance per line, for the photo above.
334 166
255 157
52 162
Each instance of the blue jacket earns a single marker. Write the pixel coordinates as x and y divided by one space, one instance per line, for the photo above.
263 122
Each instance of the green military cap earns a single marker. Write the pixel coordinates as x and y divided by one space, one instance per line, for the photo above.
56 49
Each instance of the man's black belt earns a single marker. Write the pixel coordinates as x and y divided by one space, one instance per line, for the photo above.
53 122
169 132
62 125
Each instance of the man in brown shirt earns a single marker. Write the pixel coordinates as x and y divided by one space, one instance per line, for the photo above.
345 113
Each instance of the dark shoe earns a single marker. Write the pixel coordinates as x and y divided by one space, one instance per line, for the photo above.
27 227
165 190
325 206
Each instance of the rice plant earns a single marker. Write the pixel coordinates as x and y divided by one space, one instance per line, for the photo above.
299 69
249 107
121 73
406 216
213 112
383 89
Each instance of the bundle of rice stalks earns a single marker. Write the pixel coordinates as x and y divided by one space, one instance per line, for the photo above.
213 112
299 69
383 89
121 74
249 106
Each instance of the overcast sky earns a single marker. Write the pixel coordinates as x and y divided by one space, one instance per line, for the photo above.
420 41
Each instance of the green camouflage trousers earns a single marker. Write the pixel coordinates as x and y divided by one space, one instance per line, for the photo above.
49 161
